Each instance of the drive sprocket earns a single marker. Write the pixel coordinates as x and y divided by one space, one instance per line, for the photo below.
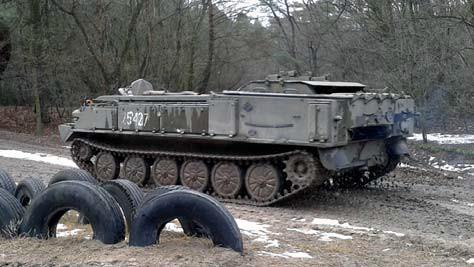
301 169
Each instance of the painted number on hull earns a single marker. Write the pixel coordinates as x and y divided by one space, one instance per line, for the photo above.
138 118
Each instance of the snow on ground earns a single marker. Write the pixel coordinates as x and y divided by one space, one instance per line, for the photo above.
356 229
404 165
335 223
67 233
287 255
173 227
394 233
62 231
463 203
326 237
258 231
46 158
443 165
61 227
447 139
470 261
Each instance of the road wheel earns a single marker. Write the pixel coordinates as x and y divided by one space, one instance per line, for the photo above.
72 175
6 182
127 194
136 170
28 189
101 209
158 210
165 172
226 179
107 167
81 151
11 213
263 181
195 175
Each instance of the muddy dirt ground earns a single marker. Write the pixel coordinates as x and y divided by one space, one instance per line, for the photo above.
417 216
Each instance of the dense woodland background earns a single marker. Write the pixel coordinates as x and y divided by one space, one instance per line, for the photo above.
60 51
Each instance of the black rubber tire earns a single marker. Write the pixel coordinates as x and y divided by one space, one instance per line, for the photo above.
158 210
6 182
11 213
28 189
94 202
190 228
72 175
127 194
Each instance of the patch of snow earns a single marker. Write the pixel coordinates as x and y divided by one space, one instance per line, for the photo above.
448 139
448 167
258 231
173 227
326 237
385 250
463 203
61 226
73 232
272 254
470 261
40 157
394 233
298 220
287 255
335 223
404 165
304 231
300 255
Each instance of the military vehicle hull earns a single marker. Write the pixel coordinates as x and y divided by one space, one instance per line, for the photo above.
247 147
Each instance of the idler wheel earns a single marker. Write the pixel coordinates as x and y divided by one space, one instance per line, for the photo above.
165 172
262 181
195 175
226 179
136 169
301 169
107 167
81 151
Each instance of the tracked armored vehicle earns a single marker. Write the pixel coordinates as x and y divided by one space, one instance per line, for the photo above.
262 143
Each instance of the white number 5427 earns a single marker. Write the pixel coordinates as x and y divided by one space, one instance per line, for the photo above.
138 118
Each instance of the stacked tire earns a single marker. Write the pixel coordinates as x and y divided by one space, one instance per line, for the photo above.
11 211
110 208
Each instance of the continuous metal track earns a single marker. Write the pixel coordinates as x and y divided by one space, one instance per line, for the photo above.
279 159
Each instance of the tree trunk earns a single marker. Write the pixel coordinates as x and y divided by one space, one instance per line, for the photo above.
423 130
210 56
192 53
35 50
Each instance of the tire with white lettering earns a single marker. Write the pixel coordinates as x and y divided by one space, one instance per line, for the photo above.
156 211
6 182
11 213
97 205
